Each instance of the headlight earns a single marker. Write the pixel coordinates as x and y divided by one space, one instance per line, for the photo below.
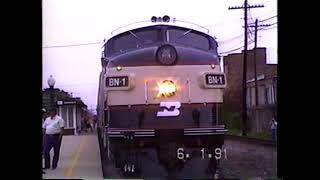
166 88
119 68
167 55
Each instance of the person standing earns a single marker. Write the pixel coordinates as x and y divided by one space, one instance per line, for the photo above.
44 116
53 129
274 128
91 126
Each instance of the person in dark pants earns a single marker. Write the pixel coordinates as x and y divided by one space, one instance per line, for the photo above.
53 130
44 116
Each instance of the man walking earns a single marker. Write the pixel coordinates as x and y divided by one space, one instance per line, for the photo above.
53 130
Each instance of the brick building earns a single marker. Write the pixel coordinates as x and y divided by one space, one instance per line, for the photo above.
258 116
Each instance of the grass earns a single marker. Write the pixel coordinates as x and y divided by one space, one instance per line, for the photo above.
234 132
238 132
233 122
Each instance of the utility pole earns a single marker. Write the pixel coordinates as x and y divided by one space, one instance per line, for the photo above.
255 57
244 80
255 61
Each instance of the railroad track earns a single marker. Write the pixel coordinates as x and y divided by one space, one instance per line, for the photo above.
252 140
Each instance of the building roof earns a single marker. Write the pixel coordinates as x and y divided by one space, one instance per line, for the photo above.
61 95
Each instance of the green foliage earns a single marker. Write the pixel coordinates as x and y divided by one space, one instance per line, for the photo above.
231 119
233 122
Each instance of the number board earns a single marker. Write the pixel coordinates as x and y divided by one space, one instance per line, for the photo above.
119 81
215 79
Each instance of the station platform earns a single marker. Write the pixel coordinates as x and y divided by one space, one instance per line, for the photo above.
79 159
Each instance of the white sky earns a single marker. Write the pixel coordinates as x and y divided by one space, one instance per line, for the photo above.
76 69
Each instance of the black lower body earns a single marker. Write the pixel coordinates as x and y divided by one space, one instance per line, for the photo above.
181 147
52 141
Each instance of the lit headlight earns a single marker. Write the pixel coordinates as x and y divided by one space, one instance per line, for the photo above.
167 55
119 68
166 88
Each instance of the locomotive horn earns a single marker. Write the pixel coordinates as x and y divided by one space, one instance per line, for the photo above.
166 18
153 19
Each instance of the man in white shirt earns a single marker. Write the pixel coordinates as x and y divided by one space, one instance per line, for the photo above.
53 131
44 116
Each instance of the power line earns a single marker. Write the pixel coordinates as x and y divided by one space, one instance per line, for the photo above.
250 21
268 18
237 19
273 23
228 40
70 45
264 29
268 26
223 22
266 2
226 52
236 48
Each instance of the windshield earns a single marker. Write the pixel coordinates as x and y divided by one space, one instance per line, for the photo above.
188 37
133 39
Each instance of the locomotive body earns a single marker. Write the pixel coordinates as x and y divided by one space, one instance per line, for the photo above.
161 88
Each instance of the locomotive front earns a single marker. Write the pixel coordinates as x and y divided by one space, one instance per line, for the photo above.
162 91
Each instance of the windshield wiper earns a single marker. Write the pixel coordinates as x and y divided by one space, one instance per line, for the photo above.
187 32
137 36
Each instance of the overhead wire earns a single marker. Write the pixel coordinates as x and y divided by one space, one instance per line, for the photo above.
229 51
71 45
268 18
231 39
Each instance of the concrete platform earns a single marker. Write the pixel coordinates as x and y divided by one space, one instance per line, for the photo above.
79 158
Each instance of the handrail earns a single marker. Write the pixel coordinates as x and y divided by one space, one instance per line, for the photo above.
174 20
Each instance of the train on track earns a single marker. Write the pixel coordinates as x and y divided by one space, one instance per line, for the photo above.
159 100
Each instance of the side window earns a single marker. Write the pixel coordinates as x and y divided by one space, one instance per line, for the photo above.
261 96
268 92
248 97
64 116
70 116
275 93
253 96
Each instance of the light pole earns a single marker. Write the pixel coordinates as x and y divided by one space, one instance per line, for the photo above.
51 82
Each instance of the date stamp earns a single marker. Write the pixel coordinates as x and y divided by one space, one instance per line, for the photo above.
217 153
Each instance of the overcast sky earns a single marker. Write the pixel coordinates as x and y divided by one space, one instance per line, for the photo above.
70 22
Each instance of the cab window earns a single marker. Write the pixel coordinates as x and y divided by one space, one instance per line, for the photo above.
133 39
188 37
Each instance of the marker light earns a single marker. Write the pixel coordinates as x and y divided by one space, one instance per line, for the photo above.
119 68
166 88
153 19
213 66
166 18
